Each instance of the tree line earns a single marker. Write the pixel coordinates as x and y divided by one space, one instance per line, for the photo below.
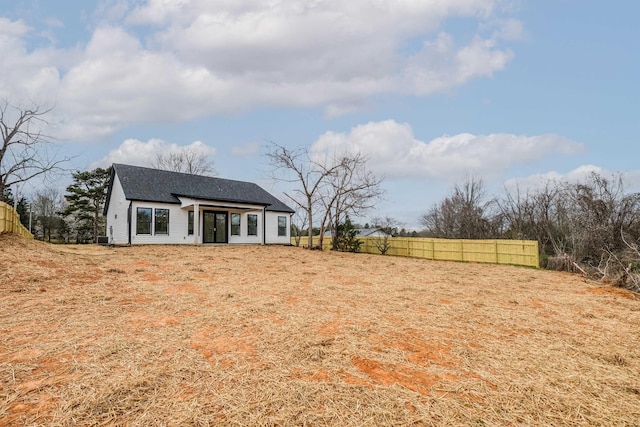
73 217
590 226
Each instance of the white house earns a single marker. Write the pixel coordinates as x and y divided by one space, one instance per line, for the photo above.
152 206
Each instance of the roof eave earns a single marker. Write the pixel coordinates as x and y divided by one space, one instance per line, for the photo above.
222 199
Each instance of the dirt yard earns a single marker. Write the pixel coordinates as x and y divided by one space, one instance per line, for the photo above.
155 336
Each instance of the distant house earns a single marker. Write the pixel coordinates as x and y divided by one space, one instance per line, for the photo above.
365 232
152 206
371 232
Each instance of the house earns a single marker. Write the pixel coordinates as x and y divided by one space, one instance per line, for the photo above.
152 206
371 232
365 232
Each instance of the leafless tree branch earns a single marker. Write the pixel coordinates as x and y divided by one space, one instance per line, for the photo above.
339 185
25 150
186 160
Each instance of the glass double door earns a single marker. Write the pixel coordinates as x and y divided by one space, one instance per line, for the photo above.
214 227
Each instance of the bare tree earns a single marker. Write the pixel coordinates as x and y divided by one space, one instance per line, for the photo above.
540 215
351 190
630 277
440 220
516 211
46 205
466 214
299 222
25 150
338 185
389 227
600 213
579 225
187 160
296 166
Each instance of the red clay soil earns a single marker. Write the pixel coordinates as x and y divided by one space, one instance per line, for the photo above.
251 335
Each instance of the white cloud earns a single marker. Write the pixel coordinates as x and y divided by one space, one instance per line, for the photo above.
247 149
509 29
393 150
200 57
25 74
441 65
111 10
118 83
10 30
531 183
142 153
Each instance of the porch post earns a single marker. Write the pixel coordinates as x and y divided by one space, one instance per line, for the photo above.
196 223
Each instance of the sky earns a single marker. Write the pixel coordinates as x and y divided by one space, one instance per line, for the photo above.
512 92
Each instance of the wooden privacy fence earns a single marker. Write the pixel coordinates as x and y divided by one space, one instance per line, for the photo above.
10 221
514 252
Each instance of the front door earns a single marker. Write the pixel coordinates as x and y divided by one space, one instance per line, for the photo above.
214 227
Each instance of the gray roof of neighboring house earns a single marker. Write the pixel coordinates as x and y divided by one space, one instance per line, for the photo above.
155 185
368 231
364 232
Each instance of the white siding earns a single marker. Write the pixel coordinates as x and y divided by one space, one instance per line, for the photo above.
117 212
178 225
272 229
244 237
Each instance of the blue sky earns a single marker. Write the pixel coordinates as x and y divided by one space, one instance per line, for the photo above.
431 91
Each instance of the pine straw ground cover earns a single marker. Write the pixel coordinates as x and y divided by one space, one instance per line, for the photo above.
151 336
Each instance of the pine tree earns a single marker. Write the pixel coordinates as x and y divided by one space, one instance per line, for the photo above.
347 236
85 198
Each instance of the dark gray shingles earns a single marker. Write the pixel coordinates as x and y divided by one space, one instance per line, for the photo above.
155 185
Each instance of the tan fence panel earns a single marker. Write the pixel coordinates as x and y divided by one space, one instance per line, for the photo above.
480 251
418 247
518 252
447 250
304 241
514 252
10 221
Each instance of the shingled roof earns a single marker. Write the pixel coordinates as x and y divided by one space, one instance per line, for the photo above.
155 185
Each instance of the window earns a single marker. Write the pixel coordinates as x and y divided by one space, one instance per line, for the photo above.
143 221
252 225
235 224
190 223
282 226
162 221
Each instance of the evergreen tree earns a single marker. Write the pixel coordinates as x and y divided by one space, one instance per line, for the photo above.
22 207
347 236
86 198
